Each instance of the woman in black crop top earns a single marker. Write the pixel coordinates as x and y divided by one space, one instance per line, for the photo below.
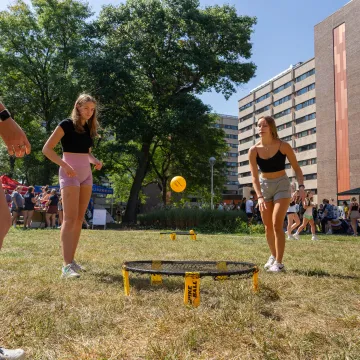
354 214
273 187
76 136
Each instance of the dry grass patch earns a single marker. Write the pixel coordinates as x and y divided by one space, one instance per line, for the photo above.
310 312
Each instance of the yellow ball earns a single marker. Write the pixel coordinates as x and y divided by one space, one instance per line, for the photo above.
178 184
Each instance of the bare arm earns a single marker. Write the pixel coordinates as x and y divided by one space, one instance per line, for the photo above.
289 152
255 177
14 137
49 152
93 160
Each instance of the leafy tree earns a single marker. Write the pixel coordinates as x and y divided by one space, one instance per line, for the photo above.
151 54
43 52
186 152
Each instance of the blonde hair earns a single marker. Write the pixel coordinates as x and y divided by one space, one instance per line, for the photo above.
75 115
271 122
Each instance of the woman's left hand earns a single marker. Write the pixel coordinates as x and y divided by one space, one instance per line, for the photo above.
98 165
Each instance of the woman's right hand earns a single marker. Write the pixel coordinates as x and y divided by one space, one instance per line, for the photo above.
262 204
70 172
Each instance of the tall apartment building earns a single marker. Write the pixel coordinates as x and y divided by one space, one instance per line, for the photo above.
320 119
291 100
230 126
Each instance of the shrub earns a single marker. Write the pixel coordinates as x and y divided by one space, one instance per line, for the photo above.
185 219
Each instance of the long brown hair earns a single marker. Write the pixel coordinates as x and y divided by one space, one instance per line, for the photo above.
271 122
307 199
75 115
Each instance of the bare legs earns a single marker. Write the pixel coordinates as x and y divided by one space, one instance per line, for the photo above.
273 219
5 216
75 201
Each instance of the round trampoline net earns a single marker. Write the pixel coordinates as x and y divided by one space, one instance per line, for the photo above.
204 268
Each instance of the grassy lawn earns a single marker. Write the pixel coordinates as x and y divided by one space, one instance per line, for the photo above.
310 312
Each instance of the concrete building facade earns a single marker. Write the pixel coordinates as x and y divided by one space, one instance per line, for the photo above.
316 106
230 126
290 98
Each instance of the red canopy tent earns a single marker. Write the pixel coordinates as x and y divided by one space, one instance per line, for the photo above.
10 184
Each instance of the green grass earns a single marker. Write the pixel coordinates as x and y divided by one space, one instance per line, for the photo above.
310 312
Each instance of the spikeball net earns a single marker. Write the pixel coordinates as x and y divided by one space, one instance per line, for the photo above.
192 271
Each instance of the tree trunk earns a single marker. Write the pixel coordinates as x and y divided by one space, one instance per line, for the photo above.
130 216
164 181
12 166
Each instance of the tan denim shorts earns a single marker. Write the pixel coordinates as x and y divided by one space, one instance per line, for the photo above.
275 189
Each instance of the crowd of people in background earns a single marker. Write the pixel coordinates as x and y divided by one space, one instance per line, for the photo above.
305 216
48 201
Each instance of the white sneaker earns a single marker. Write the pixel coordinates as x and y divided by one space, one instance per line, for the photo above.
270 262
276 267
77 267
296 236
329 232
16 354
314 238
286 232
291 237
68 272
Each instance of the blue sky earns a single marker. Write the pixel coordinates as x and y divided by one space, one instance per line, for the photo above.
284 35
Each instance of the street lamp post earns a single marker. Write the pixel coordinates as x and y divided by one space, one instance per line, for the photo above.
212 162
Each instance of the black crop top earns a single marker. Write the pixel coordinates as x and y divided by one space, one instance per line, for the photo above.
275 163
73 141
355 207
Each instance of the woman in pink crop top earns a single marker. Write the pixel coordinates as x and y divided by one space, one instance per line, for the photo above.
75 135
273 186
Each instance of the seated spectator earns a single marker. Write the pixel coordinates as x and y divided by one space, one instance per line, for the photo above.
328 215
17 205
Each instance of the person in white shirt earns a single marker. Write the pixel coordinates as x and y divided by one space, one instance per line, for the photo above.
249 208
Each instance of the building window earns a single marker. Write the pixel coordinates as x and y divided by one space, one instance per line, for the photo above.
282 100
232 183
245 174
284 126
244 107
310 177
305 104
243 141
245 185
261 98
305 147
282 113
304 76
305 133
231 127
287 166
244 163
234 146
259 111
286 138
230 154
231 164
231 136
243 152
282 87
232 173
305 118
246 128
247 117
307 162
305 89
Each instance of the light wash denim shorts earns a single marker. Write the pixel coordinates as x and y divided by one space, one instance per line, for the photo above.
275 189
